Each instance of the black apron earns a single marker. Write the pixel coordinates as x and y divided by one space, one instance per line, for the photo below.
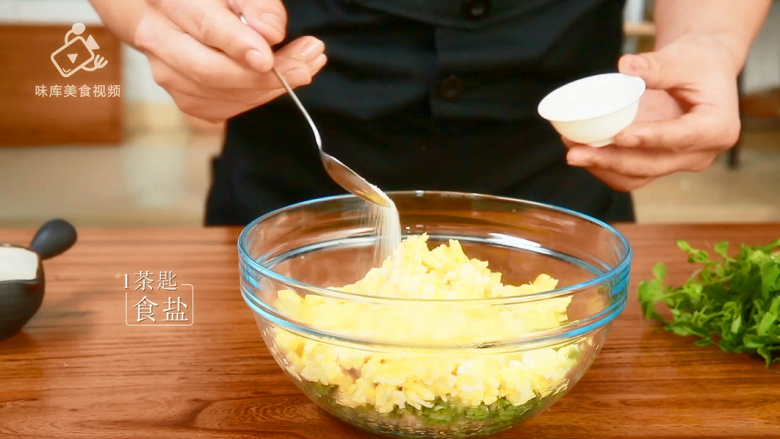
426 95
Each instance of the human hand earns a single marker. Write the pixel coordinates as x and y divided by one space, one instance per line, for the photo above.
213 65
687 117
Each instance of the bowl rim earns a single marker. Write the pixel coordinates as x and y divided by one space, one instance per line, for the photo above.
624 263
543 108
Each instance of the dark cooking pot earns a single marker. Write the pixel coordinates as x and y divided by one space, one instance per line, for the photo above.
22 280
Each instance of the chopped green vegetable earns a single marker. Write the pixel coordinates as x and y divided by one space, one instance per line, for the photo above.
734 302
444 419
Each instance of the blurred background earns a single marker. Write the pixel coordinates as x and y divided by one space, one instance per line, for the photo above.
110 149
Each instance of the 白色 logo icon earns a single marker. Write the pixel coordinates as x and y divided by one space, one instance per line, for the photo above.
77 53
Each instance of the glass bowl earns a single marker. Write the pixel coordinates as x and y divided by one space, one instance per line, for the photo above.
434 368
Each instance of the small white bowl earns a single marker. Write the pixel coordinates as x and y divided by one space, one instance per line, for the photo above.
593 110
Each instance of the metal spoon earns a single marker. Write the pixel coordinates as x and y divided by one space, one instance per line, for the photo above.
339 172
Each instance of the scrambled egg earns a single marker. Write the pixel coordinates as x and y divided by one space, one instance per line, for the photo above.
388 381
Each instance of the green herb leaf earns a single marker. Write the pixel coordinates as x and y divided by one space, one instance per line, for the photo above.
734 301
736 324
766 322
659 271
722 249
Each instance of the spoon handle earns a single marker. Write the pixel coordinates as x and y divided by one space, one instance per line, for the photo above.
300 106
294 97
53 238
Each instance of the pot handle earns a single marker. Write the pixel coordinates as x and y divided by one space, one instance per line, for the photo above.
53 238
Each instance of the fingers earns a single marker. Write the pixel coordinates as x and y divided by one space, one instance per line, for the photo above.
268 17
616 180
619 182
214 24
210 110
671 66
201 54
658 105
698 79
688 115
639 163
703 127
202 64
305 51
656 69
220 102
209 68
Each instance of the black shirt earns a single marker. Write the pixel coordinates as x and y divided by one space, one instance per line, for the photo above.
426 95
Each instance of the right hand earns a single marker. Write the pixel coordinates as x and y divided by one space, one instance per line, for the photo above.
213 65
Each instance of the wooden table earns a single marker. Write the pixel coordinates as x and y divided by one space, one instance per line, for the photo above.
78 371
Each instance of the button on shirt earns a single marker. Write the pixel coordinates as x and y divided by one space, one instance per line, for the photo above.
450 88
426 95
476 9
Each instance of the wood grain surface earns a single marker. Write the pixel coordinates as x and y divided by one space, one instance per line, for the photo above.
78 371
27 119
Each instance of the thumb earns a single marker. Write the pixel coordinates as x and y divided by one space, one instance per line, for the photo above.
660 70
300 60
267 17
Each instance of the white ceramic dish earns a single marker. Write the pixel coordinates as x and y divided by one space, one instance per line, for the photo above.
593 110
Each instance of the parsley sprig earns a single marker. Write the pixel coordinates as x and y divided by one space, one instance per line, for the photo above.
734 301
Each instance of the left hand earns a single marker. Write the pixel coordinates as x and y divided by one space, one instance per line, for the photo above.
687 117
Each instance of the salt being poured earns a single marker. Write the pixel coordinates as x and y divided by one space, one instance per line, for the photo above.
386 222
